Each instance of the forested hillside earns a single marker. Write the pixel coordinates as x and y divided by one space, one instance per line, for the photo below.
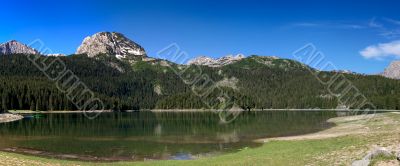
254 82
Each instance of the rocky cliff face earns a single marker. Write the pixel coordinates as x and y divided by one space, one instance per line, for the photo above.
345 71
15 47
110 43
56 55
393 70
207 61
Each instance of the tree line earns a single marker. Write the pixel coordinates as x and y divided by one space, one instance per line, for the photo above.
123 85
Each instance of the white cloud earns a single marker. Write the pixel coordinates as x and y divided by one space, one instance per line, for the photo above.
328 25
382 50
386 27
397 22
373 24
306 24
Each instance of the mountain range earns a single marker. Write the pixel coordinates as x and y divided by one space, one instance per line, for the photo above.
120 73
117 45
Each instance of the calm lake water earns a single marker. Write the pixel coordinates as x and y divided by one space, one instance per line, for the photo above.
149 135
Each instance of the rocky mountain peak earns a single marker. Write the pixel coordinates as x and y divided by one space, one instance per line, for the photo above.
211 62
110 43
393 70
15 47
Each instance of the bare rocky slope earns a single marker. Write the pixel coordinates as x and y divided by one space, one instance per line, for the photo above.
218 62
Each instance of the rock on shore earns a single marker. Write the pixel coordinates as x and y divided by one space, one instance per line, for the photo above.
4 118
366 161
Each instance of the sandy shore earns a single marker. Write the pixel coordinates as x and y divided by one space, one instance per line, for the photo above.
4 118
348 125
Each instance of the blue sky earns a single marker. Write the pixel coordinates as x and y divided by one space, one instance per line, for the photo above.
357 35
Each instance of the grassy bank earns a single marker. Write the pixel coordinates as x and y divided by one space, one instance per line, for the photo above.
349 140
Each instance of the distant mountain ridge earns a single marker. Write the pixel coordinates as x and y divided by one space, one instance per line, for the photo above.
15 47
207 61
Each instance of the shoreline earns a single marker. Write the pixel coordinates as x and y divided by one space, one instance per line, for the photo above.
7 117
195 110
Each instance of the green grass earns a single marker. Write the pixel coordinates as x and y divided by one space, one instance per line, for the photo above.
382 158
271 153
